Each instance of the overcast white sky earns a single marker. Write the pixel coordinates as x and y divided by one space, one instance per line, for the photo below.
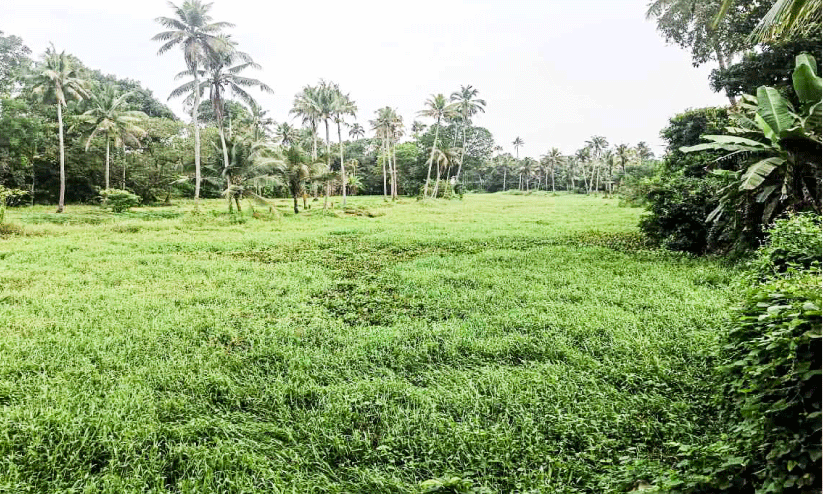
552 72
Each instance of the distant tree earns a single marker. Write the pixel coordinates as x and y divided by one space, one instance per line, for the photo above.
552 160
357 131
467 104
108 115
518 143
306 106
14 57
643 151
55 80
438 109
291 164
192 30
285 135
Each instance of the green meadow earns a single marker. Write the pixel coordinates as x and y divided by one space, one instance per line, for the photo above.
499 343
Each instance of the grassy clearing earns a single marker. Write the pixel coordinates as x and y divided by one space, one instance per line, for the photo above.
524 343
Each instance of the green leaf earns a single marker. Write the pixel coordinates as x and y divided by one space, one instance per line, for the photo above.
767 130
806 83
757 173
774 109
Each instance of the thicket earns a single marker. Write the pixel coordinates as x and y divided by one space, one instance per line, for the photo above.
768 433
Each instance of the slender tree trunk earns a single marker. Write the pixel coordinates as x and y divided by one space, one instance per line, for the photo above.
553 191
462 153
107 159
431 159
342 165
124 172
437 183
195 114
504 178
394 167
62 200
328 164
723 63
519 181
385 189
225 153
294 195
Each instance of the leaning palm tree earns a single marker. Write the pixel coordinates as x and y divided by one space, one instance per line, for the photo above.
343 106
552 160
55 81
467 105
357 131
518 143
438 109
192 30
109 115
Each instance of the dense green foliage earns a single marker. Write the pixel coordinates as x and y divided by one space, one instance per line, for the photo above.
768 436
520 343
119 200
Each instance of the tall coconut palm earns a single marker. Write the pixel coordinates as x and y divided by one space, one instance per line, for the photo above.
342 107
55 81
597 145
467 105
109 115
192 30
417 128
260 123
438 109
553 159
518 143
526 171
221 75
623 153
357 131
306 106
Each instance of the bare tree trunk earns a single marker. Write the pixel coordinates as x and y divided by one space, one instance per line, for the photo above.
195 117
723 63
437 184
107 159
342 165
431 159
62 200
225 152
553 191
385 190
462 153
504 178
394 167
124 172
328 164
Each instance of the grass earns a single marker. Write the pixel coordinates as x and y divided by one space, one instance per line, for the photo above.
521 343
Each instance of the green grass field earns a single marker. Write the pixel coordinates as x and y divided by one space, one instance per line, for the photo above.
520 343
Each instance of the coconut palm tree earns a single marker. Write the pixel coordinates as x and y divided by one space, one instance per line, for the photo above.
417 128
643 151
785 18
357 131
291 165
553 159
306 106
526 170
260 123
388 127
285 134
343 106
55 81
438 109
192 30
221 75
109 115
467 105
518 143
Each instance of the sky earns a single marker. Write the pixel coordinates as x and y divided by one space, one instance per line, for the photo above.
552 72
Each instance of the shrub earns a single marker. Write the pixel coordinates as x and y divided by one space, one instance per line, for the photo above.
769 377
794 242
119 200
677 211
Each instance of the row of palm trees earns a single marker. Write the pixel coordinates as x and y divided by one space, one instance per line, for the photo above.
594 165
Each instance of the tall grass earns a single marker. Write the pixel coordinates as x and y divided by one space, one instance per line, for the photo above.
521 343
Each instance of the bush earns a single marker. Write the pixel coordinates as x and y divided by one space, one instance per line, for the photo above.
119 200
677 211
794 242
769 377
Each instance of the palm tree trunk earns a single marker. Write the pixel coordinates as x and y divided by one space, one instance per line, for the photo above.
342 165
385 190
328 164
394 168
437 183
61 201
505 169
294 195
553 191
107 159
431 159
195 117
462 152
225 152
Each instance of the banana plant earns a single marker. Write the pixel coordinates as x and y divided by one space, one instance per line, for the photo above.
784 142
